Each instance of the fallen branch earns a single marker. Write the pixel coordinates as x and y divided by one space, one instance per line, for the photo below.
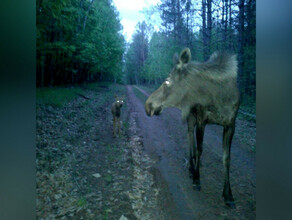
83 96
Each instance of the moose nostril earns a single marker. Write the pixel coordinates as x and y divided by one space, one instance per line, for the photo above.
158 111
148 107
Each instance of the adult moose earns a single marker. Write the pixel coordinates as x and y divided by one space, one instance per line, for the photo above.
206 93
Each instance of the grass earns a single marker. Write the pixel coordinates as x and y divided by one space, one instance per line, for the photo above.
56 96
81 202
253 148
108 178
97 86
126 125
113 152
85 103
106 212
84 126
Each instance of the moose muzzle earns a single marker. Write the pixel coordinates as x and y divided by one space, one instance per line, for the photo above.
150 110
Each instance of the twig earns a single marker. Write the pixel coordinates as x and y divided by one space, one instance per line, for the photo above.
83 96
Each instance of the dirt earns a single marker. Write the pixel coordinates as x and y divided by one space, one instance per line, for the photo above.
83 172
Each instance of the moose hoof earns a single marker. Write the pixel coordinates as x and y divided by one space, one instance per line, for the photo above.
230 204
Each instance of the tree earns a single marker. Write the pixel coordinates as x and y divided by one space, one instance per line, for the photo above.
75 44
227 25
137 54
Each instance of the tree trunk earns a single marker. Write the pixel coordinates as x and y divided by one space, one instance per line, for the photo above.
225 23
209 26
204 29
222 23
230 27
50 71
136 80
87 12
43 61
241 39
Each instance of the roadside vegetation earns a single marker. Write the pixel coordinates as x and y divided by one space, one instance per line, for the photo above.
78 161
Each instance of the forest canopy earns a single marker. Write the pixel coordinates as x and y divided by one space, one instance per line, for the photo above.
81 40
204 26
78 41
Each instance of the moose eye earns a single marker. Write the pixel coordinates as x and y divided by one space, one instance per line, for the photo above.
167 82
118 101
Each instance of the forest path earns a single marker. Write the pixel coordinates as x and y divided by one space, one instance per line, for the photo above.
164 139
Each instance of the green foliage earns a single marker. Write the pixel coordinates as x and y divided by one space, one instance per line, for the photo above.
160 62
81 202
179 29
97 86
137 54
75 43
56 96
80 41
108 178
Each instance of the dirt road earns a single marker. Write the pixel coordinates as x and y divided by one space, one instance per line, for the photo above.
164 139
83 172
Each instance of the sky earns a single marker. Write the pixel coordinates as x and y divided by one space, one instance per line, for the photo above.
131 13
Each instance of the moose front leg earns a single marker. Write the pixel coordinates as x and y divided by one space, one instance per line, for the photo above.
114 126
119 126
200 135
192 147
227 139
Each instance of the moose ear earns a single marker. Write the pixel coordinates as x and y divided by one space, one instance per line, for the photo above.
175 59
185 56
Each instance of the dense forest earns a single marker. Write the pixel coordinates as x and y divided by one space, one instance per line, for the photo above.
81 40
78 41
204 26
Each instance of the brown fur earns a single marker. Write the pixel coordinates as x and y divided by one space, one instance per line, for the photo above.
206 93
116 112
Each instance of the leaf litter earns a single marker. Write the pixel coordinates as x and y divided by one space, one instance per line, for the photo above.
83 172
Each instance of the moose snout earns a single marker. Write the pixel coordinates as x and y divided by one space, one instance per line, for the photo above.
150 110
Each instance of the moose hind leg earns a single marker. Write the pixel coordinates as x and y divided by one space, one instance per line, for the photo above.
192 146
227 139
200 135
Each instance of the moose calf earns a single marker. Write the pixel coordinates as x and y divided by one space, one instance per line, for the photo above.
116 111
